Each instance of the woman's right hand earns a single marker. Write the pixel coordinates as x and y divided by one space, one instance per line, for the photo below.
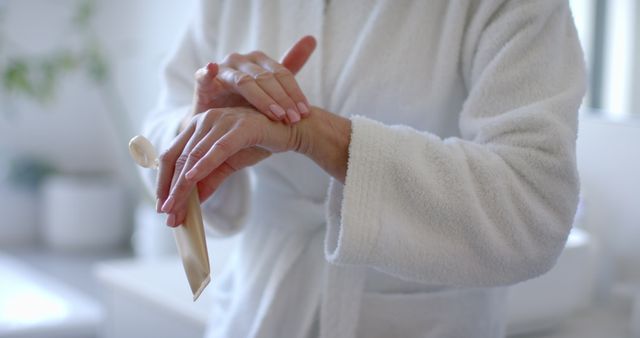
256 80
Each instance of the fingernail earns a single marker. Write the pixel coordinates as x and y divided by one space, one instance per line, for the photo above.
158 206
293 116
304 110
171 219
276 109
168 204
191 173
209 67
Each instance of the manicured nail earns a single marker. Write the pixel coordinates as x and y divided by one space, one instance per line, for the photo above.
293 116
168 204
158 206
304 110
191 173
210 69
171 219
276 109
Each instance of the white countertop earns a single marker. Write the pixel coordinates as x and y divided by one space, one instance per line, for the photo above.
33 304
159 282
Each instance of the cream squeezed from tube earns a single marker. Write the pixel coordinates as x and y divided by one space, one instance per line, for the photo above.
190 237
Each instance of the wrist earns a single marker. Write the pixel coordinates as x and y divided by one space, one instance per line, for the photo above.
324 137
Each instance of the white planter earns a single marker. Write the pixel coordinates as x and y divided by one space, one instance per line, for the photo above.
81 213
19 210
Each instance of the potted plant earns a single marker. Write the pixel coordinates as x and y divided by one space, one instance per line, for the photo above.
74 203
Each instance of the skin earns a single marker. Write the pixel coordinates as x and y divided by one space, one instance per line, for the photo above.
268 86
226 132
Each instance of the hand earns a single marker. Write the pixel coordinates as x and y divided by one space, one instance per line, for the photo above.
255 80
214 145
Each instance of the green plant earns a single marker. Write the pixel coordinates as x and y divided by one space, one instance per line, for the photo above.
36 76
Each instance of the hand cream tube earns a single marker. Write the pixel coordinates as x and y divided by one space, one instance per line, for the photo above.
190 237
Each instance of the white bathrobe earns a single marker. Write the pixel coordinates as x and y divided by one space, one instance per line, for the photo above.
461 176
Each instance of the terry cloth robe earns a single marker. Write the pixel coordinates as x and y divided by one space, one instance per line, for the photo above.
461 175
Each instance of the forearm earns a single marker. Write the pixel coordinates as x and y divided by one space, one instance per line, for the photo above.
324 137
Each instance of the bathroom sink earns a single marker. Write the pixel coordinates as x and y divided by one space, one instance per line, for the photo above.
544 302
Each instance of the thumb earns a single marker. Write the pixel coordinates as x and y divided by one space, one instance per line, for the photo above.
295 58
206 74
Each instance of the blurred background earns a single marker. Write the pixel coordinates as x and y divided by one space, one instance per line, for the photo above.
83 254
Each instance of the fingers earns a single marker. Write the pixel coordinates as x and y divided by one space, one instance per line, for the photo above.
268 81
296 57
199 145
205 75
229 144
203 154
245 85
284 78
267 85
207 87
167 165
215 144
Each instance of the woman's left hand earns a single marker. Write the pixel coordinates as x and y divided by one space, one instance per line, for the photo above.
222 141
215 144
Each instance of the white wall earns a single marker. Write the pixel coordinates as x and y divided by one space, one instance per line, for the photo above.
609 165
76 132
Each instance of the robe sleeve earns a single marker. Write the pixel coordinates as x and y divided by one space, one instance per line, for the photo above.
493 206
225 211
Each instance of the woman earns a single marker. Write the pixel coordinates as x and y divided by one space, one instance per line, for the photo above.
441 136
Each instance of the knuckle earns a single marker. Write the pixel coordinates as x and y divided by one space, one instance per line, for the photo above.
211 115
228 117
199 73
231 58
211 112
166 157
264 76
282 73
244 124
195 120
181 161
197 154
257 54
223 145
241 79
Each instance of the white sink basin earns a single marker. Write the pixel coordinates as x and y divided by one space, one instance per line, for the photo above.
544 302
